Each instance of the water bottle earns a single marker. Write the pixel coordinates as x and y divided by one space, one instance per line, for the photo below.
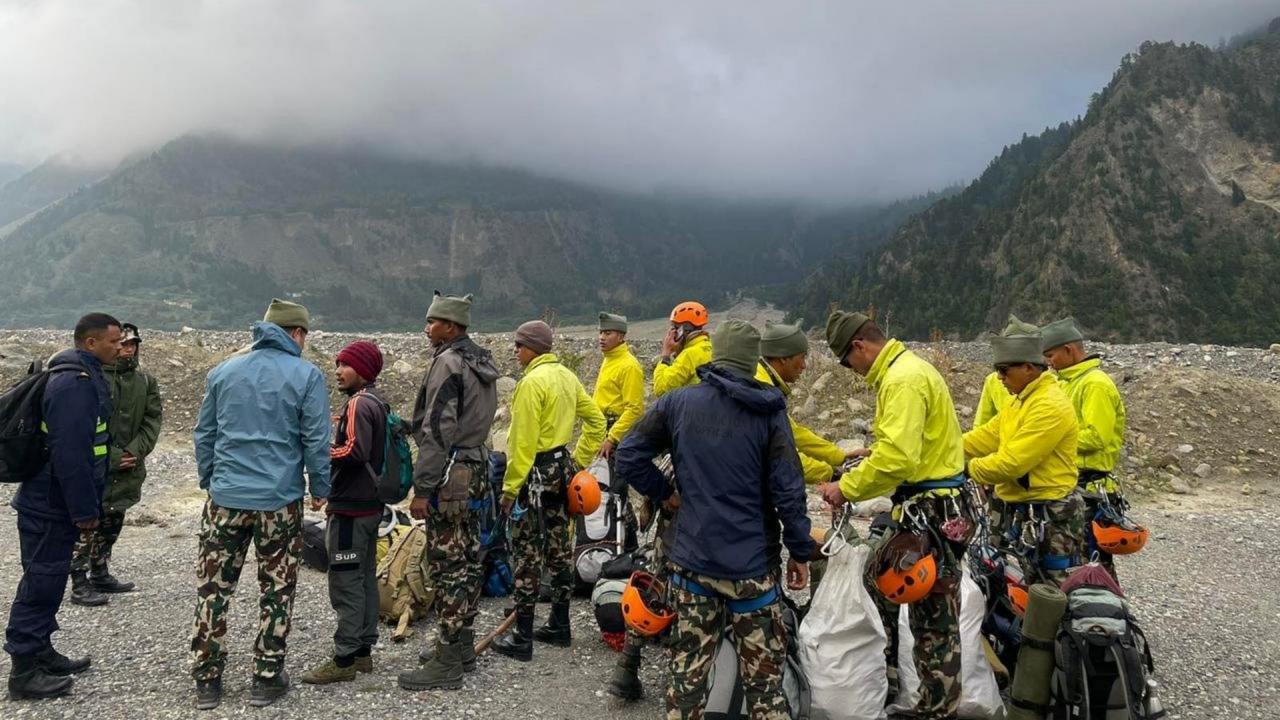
1154 708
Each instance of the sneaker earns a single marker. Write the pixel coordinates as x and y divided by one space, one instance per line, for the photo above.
329 672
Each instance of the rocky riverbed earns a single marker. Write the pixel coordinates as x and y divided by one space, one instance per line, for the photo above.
1200 461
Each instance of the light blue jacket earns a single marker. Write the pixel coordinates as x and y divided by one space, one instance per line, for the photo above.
264 416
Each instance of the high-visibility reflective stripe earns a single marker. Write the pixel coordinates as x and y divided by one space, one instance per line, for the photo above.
99 450
102 427
44 428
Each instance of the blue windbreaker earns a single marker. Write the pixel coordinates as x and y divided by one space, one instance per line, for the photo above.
264 417
738 471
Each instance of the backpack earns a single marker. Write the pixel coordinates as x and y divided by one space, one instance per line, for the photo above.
22 441
1102 662
397 468
403 592
314 553
497 579
601 536
726 699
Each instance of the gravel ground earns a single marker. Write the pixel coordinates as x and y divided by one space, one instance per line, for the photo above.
1215 648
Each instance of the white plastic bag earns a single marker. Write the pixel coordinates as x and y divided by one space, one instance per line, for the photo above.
979 693
842 642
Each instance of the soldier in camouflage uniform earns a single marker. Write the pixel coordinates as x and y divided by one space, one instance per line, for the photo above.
918 459
1027 454
134 427
264 418
548 402
451 420
735 460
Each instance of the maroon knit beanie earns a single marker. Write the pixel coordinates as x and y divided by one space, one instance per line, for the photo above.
364 357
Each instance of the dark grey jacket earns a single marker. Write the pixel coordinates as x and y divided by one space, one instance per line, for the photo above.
454 410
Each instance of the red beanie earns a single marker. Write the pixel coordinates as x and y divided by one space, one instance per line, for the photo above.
364 357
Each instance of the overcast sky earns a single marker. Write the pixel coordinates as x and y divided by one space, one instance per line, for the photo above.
840 100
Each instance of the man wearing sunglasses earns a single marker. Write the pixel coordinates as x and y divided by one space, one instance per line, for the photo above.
1027 453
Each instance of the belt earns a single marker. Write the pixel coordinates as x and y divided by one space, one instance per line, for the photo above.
741 606
550 456
906 491
1088 476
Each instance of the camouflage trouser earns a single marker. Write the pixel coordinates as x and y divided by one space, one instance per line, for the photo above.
225 536
453 559
541 537
1046 537
759 636
935 627
93 549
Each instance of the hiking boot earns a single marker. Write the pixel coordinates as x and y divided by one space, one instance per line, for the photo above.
105 582
518 642
625 681
268 690
364 663
330 672
208 693
55 663
467 639
29 681
556 630
442 672
82 592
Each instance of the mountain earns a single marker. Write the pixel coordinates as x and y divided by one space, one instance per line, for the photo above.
9 171
205 230
1154 216
26 192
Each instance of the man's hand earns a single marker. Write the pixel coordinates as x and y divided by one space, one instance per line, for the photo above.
128 461
672 503
507 504
419 508
831 494
87 524
857 453
670 345
606 448
797 575
318 503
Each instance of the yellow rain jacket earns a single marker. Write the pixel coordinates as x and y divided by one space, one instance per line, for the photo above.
1028 451
819 457
995 397
683 370
1099 411
548 398
917 433
619 390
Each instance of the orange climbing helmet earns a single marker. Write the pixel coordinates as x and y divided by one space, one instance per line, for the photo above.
906 569
690 312
584 494
1018 599
1119 538
644 606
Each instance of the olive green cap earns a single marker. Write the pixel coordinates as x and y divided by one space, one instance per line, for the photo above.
1017 327
452 308
1016 349
841 327
287 314
1059 332
609 321
736 346
782 341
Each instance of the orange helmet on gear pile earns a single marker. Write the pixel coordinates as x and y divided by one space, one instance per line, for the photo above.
583 494
690 312
1119 539
643 605
906 569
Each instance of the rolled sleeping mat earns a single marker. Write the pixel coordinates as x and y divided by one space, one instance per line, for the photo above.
1033 675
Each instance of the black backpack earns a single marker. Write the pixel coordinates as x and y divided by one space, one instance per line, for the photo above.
22 440
1102 662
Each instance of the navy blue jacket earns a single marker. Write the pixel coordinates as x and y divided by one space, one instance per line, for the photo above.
76 408
738 472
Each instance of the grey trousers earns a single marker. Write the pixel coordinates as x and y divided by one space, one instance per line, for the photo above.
352 543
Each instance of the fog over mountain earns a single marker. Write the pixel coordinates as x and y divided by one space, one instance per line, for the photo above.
823 101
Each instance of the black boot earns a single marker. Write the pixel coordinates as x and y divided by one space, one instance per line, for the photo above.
103 581
556 630
27 681
208 693
625 682
267 690
467 638
82 592
518 642
55 663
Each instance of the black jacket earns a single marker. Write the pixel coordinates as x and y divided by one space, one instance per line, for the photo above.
358 453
